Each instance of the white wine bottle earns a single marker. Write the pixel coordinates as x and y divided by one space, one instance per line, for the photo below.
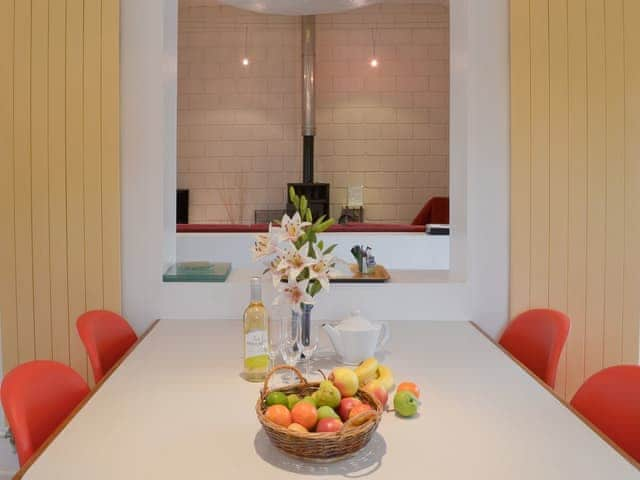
256 335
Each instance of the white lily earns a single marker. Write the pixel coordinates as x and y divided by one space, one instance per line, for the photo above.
275 268
295 261
322 268
266 244
293 294
291 228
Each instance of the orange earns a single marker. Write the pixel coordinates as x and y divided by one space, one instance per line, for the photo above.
305 414
410 387
279 414
358 409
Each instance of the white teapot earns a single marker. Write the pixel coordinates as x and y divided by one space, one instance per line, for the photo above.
356 338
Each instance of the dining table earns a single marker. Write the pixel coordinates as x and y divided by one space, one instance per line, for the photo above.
178 407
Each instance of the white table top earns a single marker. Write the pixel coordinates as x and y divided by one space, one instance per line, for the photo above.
177 408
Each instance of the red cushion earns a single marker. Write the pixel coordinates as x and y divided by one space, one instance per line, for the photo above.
258 228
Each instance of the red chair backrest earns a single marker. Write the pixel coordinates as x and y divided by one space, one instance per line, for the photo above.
436 210
610 400
106 337
37 397
536 339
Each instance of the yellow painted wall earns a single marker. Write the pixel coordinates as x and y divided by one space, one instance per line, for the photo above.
59 174
575 174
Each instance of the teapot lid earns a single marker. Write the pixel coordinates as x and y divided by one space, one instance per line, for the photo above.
355 322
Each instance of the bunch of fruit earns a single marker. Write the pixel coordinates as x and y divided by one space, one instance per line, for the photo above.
378 380
335 402
323 411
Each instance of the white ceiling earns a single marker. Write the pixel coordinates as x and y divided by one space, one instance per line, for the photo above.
313 7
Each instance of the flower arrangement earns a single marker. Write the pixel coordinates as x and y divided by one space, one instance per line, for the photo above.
293 253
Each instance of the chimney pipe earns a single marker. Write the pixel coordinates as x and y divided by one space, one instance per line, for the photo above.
308 95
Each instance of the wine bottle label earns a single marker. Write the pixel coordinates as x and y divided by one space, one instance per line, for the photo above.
255 343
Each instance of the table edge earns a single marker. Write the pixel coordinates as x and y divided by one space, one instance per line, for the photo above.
23 470
567 405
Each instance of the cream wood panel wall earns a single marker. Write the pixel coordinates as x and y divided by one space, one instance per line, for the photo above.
575 174
59 174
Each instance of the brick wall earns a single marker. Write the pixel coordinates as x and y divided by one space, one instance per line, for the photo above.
238 127
384 128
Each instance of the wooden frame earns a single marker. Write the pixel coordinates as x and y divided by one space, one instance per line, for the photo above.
23 470
595 429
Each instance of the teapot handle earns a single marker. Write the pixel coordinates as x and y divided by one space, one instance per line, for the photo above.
384 334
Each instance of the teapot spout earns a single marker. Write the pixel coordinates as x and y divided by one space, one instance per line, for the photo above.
334 336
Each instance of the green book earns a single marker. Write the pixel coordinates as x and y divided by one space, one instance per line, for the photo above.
197 272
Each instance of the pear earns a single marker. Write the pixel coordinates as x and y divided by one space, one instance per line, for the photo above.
327 394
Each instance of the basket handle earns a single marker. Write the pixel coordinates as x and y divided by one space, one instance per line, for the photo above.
265 386
361 418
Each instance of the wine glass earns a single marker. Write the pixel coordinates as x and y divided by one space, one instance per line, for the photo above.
275 335
308 344
290 338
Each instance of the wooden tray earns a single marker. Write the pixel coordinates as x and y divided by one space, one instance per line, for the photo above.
379 275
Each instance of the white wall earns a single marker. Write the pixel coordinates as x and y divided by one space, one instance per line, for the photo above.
404 251
477 287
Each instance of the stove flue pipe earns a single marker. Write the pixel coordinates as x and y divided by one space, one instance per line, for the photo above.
308 95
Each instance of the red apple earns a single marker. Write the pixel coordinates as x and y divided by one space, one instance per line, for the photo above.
329 425
346 404
378 391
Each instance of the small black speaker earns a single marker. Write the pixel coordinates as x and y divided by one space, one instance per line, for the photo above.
182 206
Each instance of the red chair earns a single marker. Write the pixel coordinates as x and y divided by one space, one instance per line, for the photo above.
536 339
37 397
610 400
106 337
436 210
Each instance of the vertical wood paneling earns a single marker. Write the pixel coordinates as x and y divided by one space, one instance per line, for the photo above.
577 190
75 180
40 177
22 180
582 149
58 180
110 149
520 262
596 187
632 182
8 307
92 155
540 153
558 166
59 174
615 201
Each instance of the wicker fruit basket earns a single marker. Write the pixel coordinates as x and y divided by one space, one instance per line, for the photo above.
324 446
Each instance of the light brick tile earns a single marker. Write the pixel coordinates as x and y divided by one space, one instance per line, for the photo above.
350 147
439 179
381 180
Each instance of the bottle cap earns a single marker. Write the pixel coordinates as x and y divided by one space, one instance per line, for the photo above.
256 289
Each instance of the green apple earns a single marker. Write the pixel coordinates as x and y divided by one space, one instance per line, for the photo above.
292 400
327 412
405 403
309 399
277 398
